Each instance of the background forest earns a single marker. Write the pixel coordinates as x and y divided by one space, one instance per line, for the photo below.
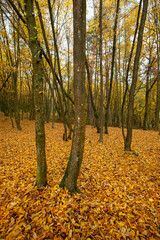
55 37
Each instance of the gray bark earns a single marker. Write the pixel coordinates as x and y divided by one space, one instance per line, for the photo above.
79 24
134 78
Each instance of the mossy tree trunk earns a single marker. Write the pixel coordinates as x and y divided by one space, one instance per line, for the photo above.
41 177
72 171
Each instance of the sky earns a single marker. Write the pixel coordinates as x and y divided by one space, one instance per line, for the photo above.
89 9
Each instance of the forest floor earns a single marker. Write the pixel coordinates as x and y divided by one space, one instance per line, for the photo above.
120 190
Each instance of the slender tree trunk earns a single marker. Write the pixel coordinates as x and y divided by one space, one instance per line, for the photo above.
68 89
134 78
95 89
127 72
112 67
101 74
65 116
53 110
41 177
15 79
117 113
148 89
32 105
107 80
145 122
89 104
157 113
120 78
72 171
92 101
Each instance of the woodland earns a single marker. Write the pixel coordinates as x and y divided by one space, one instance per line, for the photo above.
79 119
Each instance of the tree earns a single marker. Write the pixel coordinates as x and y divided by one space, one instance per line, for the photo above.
96 116
128 68
112 67
128 139
79 24
157 24
41 177
101 73
148 90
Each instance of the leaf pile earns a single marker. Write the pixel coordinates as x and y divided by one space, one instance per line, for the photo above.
120 191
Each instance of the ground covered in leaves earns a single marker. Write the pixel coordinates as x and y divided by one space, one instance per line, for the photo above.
120 191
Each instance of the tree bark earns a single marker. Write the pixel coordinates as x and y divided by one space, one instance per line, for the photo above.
128 140
112 67
128 68
92 101
101 74
79 24
157 112
66 116
15 79
148 89
41 177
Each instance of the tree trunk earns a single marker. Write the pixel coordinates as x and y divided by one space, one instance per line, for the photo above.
41 177
72 171
145 122
101 74
65 115
157 113
96 122
148 89
112 67
134 78
127 72
32 105
92 101
15 78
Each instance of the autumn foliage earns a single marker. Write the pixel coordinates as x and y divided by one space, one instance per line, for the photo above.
120 190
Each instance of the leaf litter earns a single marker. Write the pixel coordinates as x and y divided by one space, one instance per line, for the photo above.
120 190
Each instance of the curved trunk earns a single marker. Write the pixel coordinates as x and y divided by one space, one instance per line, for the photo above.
72 171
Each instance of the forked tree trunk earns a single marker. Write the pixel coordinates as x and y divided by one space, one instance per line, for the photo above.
41 177
79 24
128 139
